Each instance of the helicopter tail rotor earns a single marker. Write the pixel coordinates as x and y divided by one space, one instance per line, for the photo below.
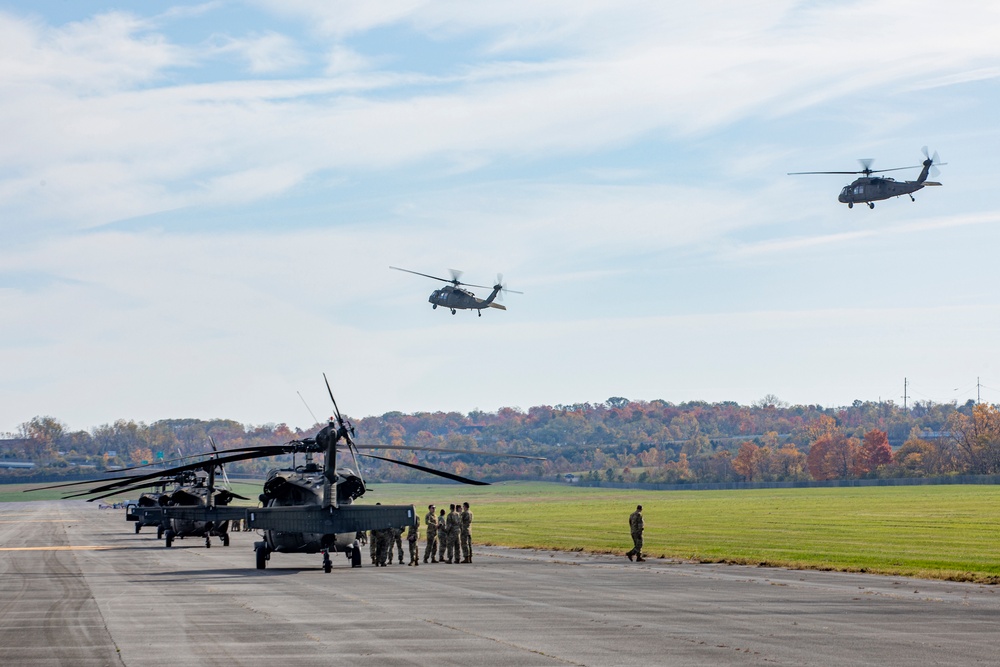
932 161
503 287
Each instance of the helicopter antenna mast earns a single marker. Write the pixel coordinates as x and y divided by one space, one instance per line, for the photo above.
315 421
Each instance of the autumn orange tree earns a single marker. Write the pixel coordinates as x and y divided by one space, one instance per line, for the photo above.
977 438
922 458
749 461
833 456
874 452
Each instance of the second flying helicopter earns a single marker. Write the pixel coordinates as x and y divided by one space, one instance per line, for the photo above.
455 298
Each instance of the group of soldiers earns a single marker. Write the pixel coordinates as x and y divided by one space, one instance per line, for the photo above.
449 538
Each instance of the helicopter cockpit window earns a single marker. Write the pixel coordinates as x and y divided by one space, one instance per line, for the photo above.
859 190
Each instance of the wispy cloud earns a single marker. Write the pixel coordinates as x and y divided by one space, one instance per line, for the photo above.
99 83
264 54
795 244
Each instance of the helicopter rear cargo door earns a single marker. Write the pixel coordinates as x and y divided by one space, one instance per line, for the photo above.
329 521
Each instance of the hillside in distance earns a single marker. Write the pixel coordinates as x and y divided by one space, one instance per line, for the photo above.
617 440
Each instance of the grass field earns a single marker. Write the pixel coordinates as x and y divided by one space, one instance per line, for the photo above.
944 532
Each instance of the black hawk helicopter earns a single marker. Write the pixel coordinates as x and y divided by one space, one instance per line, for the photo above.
455 298
193 487
147 499
869 189
308 508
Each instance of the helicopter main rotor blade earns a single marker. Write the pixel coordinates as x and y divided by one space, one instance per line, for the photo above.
336 410
252 448
272 450
800 173
878 171
454 281
145 485
86 481
425 275
432 471
448 451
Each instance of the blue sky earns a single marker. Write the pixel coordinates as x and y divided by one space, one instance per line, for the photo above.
199 204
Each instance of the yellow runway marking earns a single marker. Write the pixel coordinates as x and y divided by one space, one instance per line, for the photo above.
94 548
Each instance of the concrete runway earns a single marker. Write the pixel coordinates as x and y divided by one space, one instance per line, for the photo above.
78 587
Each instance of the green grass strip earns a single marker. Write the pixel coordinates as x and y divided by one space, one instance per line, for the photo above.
945 532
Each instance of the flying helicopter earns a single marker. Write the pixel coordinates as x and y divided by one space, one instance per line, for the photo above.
455 298
306 509
869 189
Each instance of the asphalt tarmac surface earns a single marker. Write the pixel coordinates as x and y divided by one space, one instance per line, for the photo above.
78 587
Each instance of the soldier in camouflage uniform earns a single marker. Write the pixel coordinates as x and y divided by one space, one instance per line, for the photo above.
384 549
635 525
466 534
373 546
412 534
430 551
454 534
396 537
442 535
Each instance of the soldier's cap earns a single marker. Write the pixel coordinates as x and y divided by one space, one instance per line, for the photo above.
430 507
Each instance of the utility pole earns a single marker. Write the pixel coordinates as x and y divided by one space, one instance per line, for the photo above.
905 382
978 399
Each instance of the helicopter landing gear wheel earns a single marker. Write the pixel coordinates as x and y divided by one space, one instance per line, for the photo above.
356 556
452 311
138 527
850 204
208 542
871 204
912 199
327 565
169 537
159 532
434 307
480 315
262 554
225 540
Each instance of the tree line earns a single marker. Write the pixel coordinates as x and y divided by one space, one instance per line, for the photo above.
618 440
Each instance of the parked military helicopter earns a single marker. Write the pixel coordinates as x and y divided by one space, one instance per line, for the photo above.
194 487
455 298
869 189
308 508
148 499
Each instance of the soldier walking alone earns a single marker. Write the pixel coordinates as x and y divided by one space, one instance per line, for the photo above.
430 551
636 526
466 533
